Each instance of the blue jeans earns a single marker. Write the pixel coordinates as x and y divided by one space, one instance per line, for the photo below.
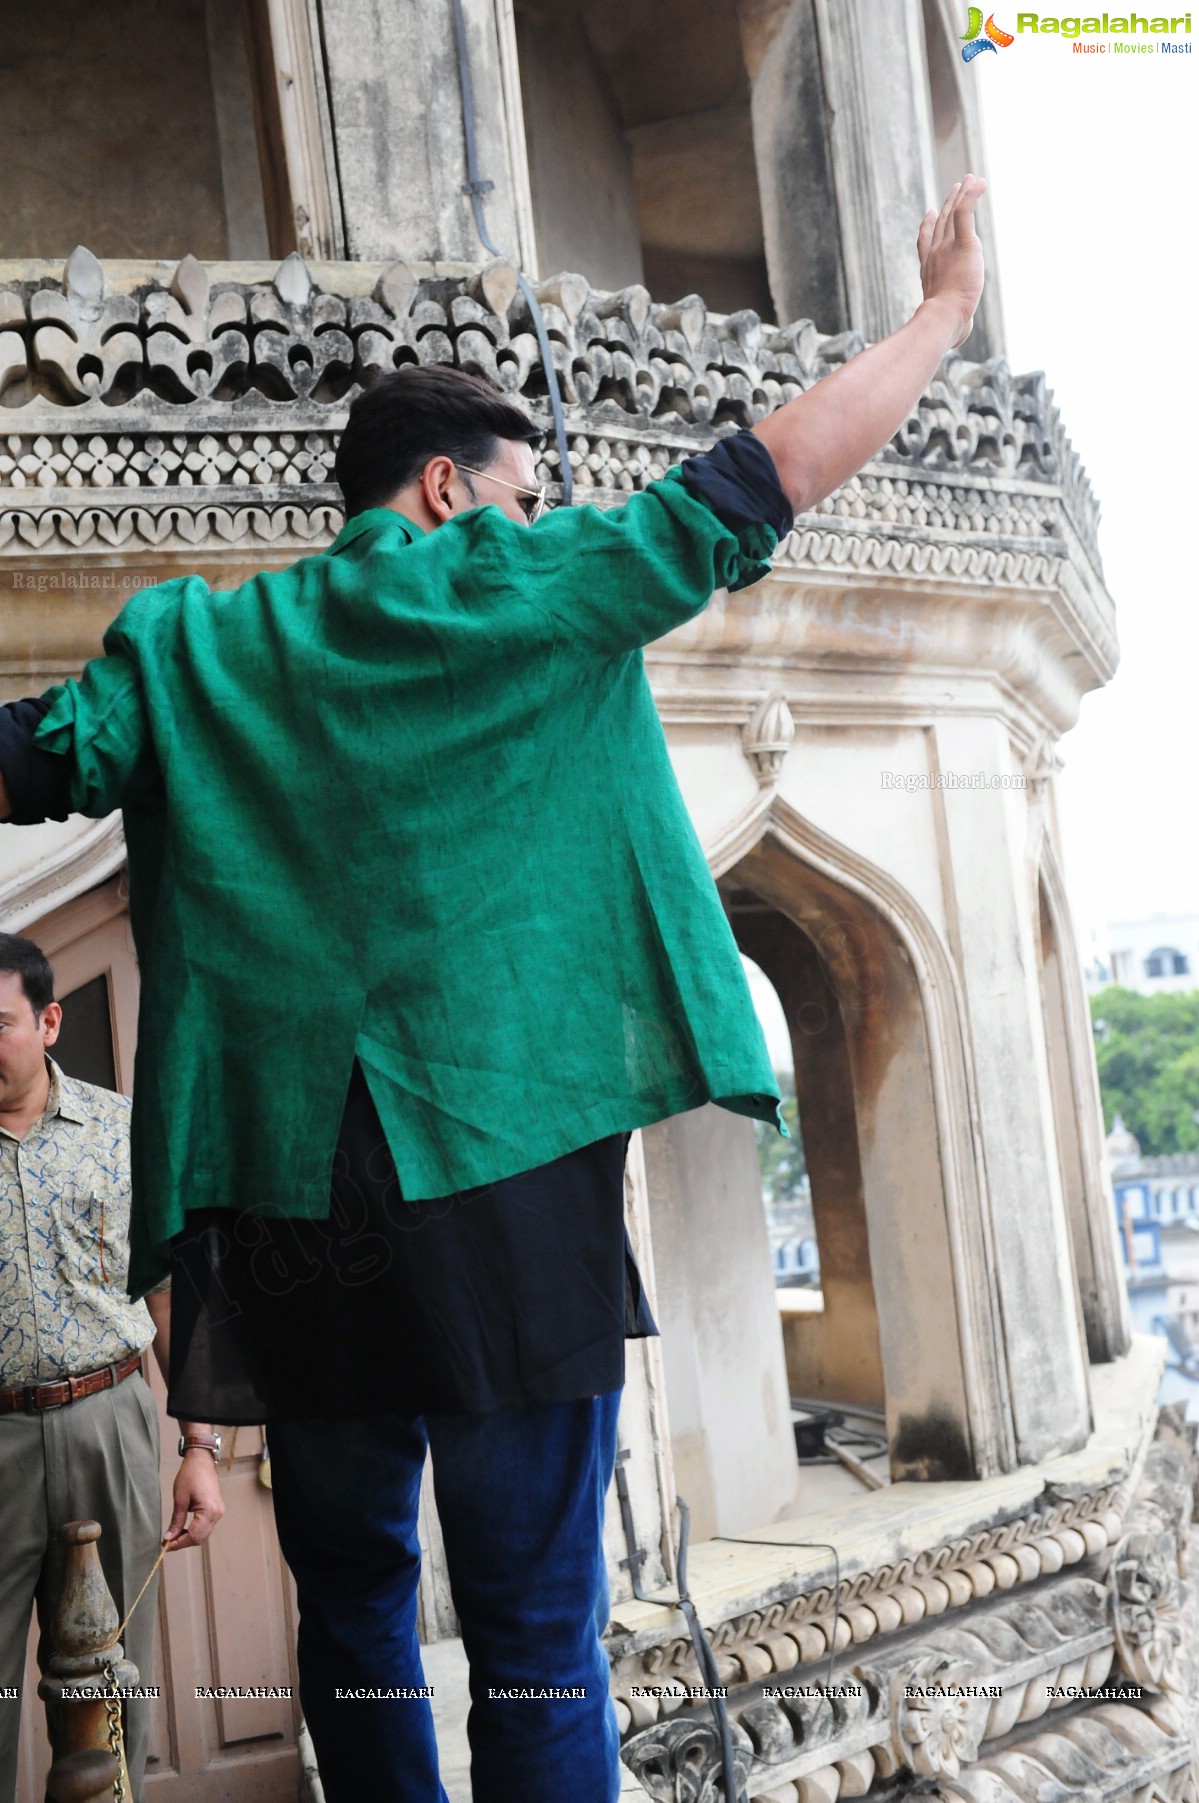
520 1497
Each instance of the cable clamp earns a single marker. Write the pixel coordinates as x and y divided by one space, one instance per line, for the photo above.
478 187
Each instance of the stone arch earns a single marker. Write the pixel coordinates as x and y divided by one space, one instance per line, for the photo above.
925 1202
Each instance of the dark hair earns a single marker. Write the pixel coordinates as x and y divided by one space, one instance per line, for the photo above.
410 415
22 958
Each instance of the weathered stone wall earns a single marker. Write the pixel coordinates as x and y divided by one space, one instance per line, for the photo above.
580 169
110 131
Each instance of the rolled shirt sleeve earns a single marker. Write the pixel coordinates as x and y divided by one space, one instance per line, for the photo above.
738 480
98 726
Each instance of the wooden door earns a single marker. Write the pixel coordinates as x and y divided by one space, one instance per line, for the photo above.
226 1611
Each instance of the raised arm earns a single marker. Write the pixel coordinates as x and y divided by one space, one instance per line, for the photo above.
823 437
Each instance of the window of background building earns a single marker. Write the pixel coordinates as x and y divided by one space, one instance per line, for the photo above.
1166 962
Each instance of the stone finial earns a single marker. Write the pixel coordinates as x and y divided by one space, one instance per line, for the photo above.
190 286
1121 1144
292 281
567 292
84 283
766 736
495 286
396 289
688 316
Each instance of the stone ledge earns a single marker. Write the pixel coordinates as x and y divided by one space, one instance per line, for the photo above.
914 1524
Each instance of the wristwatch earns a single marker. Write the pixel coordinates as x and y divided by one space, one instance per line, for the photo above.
203 1443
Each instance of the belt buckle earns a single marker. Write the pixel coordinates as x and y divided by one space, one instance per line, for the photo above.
33 1406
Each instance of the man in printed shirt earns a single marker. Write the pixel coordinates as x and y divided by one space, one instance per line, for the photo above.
425 931
78 1426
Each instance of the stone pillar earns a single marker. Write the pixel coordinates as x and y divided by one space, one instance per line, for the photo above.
1086 1184
861 122
843 136
994 945
726 1378
396 110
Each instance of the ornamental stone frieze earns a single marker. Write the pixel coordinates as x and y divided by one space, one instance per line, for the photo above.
213 406
1052 1678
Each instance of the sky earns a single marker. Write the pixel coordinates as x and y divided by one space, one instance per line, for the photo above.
1091 165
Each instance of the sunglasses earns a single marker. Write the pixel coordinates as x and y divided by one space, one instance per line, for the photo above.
532 500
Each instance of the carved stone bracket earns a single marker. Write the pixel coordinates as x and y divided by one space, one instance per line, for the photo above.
1146 1609
766 737
681 1762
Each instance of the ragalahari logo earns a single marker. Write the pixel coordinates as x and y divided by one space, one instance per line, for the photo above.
995 39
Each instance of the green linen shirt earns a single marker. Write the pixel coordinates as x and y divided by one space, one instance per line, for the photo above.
409 801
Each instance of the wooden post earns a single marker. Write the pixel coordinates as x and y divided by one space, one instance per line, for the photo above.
81 1631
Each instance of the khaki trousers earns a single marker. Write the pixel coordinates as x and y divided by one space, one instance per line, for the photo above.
93 1459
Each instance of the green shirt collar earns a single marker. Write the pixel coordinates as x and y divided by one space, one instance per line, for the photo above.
371 520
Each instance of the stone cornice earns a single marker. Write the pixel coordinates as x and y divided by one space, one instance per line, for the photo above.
940 1545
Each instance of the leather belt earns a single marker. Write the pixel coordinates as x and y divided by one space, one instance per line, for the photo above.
30 1397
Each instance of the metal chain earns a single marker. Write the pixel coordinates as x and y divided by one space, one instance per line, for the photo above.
116 1733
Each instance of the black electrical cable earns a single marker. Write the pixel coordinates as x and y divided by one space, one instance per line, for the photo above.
705 1658
476 188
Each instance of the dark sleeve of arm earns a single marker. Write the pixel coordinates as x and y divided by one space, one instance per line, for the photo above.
38 782
738 481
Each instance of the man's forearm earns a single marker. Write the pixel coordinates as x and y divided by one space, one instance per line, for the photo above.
823 437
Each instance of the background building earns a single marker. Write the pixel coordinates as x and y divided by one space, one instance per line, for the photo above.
1156 955
220 219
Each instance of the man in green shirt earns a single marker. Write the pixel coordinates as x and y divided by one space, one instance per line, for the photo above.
406 854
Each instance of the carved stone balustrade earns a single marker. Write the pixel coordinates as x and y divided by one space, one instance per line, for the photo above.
205 402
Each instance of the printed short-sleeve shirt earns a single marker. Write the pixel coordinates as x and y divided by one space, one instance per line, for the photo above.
64 1239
